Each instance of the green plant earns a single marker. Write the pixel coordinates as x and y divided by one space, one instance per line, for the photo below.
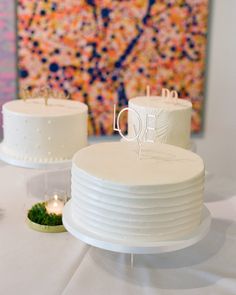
38 214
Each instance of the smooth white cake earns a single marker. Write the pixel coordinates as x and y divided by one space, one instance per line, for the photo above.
118 196
173 120
37 132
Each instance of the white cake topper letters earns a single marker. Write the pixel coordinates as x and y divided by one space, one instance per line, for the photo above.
137 137
148 134
169 94
149 129
43 92
116 122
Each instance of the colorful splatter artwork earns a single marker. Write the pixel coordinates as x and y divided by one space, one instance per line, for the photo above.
106 52
7 53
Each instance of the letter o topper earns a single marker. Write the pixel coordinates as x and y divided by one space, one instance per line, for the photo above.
139 124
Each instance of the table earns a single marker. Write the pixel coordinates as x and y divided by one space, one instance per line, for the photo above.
38 263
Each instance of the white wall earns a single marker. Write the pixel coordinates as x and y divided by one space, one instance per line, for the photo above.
218 144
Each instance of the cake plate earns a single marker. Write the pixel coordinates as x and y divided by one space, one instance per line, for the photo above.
34 165
135 248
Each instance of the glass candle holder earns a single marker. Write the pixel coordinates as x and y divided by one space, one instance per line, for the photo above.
55 202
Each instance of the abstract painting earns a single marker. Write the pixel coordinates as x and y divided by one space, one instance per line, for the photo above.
106 52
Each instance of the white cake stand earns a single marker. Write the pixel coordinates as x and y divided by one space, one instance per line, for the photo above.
141 248
34 165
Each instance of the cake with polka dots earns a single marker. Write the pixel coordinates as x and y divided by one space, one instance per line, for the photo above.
38 132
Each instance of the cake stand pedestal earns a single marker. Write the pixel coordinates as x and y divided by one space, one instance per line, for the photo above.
135 248
33 165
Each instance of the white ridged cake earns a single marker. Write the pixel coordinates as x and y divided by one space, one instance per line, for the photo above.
35 132
158 197
173 119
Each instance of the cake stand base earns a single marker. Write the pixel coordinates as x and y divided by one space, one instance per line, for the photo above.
34 165
132 248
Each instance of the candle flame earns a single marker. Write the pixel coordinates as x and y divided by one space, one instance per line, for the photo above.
55 204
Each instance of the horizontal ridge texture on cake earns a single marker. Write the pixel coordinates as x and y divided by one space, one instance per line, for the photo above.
36 132
173 119
157 197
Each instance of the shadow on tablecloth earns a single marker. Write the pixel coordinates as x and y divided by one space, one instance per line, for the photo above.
200 265
2 164
1 213
39 185
219 189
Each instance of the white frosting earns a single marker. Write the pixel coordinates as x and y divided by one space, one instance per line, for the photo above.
157 197
173 120
39 133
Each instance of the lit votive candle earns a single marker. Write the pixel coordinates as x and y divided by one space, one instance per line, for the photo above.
55 205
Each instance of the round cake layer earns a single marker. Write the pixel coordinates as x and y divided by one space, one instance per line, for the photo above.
172 123
117 163
156 197
36 107
37 132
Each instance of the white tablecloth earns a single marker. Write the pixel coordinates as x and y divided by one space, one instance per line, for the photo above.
38 263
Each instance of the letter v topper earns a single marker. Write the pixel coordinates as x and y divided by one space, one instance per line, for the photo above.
137 131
